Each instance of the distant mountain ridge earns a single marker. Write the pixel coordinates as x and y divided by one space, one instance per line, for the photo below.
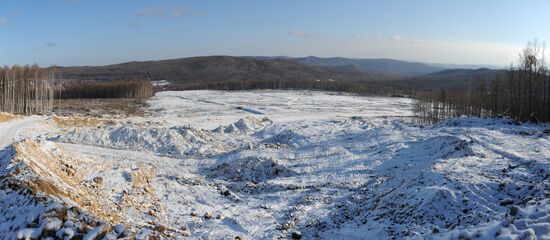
380 65
218 69
384 65
468 72
215 69
449 78
466 66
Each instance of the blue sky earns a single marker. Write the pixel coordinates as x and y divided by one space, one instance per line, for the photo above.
81 32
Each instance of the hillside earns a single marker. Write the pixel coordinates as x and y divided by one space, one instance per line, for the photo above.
485 72
446 79
206 72
386 66
213 69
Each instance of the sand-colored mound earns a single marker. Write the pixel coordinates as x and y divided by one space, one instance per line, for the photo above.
4 117
80 122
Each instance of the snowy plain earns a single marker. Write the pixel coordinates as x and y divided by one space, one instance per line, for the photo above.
284 164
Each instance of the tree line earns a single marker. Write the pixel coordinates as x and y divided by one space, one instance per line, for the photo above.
32 90
357 87
26 89
523 93
106 89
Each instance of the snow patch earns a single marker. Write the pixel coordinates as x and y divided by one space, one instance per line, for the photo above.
174 141
244 125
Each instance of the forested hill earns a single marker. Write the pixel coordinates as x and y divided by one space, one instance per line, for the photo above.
381 65
217 69
449 79
204 72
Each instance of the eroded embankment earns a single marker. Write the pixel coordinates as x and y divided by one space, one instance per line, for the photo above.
45 195
47 192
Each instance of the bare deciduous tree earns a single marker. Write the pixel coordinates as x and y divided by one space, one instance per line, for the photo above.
523 94
26 90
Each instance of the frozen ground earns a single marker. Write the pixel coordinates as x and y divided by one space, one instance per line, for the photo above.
209 109
275 164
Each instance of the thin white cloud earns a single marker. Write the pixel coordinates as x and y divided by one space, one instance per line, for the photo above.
168 12
133 24
298 33
396 38
150 12
46 45
463 52
179 12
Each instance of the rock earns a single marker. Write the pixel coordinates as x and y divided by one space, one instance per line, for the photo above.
71 172
506 202
514 211
296 235
97 233
82 227
153 237
65 233
98 180
207 215
152 213
61 213
69 233
94 224
435 230
29 233
287 226
110 236
68 223
75 210
219 216
32 219
119 228
160 228
51 226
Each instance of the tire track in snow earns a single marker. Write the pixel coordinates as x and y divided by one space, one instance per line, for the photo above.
249 110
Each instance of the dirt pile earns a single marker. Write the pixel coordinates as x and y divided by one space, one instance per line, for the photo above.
250 169
4 117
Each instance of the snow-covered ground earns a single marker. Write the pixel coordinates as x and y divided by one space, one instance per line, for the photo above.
210 109
276 164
